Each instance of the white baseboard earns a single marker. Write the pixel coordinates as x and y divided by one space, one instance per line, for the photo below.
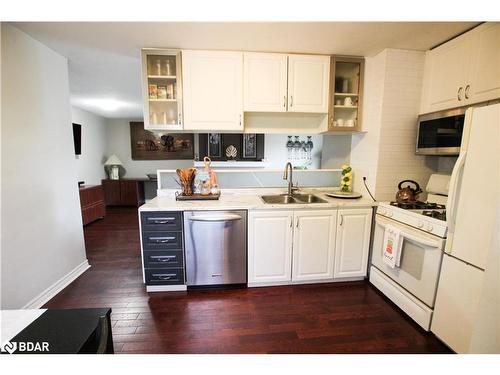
59 285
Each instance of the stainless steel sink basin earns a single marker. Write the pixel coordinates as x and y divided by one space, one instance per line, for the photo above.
292 199
279 199
308 198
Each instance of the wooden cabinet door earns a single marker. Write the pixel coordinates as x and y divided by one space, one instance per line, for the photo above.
445 75
129 193
111 190
213 90
308 83
353 242
484 77
265 82
313 245
269 247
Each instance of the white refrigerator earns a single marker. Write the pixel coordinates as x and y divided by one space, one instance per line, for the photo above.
466 314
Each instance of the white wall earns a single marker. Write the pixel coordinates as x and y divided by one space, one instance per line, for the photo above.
42 235
89 165
386 153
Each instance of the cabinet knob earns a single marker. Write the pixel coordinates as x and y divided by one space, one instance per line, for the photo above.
459 93
467 88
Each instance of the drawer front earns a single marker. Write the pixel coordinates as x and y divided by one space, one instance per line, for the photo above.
164 276
152 221
162 240
162 259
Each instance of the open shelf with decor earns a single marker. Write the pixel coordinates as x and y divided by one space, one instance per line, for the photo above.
346 94
162 85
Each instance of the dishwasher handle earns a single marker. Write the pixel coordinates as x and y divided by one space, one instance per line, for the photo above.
217 217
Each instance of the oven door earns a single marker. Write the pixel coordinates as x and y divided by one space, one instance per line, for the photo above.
440 133
421 258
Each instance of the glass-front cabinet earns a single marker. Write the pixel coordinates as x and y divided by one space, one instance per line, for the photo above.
346 94
162 89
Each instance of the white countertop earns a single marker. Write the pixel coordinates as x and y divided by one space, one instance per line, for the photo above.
249 199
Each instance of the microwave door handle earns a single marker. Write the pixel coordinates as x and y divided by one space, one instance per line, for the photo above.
418 240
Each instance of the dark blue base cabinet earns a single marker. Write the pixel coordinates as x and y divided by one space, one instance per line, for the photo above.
162 247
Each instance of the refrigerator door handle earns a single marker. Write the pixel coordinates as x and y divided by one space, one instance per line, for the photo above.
452 197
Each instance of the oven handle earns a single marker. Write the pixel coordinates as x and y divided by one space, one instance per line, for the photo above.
421 241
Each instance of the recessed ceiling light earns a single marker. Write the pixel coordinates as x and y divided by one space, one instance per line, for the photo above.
104 104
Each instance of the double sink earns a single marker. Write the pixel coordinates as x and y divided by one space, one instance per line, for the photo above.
292 199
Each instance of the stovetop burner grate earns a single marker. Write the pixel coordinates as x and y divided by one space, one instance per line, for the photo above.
418 205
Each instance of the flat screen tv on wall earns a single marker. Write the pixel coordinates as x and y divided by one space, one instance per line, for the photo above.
77 138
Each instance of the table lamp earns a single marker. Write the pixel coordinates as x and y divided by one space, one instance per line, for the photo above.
113 162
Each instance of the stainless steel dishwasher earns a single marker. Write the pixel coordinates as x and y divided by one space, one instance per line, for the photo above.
216 247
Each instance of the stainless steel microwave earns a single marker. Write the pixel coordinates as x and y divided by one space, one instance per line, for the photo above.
440 133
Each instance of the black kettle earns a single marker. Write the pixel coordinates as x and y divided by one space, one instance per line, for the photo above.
408 194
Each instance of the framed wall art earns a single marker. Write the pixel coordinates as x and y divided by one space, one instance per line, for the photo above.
148 145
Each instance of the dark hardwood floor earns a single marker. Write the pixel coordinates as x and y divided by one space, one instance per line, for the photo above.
320 318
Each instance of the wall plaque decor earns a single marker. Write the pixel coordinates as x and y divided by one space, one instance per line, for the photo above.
245 147
148 145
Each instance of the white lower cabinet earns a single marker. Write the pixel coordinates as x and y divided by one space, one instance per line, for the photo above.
353 242
304 246
313 245
269 247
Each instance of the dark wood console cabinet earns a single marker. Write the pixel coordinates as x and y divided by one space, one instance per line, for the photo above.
124 192
92 203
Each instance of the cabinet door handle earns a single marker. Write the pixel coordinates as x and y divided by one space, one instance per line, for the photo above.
291 222
297 225
459 93
467 88
291 100
180 118
240 119
284 101
341 219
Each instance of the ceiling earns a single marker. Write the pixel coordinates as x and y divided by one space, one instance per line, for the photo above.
104 57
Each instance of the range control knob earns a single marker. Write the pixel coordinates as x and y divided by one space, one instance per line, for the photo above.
430 228
382 211
420 224
389 214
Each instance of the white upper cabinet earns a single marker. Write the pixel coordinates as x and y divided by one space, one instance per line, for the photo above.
313 245
213 90
484 79
445 75
308 83
353 242
463 71
269 247
265 82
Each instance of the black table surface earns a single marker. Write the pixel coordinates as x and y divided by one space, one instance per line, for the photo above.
66 331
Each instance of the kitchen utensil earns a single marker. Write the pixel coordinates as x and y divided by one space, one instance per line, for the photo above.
408 194
186 177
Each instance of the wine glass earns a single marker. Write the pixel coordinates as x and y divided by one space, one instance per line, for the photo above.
289 148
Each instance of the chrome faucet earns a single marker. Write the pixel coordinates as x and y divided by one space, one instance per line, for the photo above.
285 177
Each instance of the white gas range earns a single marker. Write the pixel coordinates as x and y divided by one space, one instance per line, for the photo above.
412 286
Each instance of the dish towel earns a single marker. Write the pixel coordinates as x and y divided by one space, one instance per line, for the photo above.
393 242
